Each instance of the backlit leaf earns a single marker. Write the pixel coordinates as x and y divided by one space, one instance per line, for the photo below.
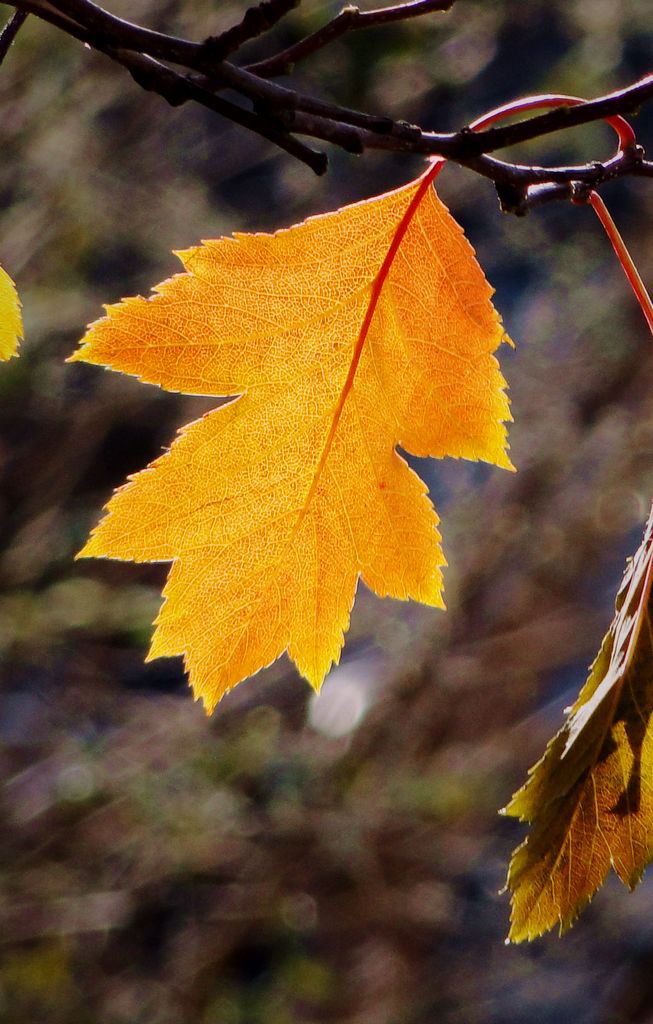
11 325
590 798
344 336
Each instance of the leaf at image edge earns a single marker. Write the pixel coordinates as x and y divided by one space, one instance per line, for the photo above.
590 798
11 324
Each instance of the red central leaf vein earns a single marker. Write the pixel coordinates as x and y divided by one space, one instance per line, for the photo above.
375 295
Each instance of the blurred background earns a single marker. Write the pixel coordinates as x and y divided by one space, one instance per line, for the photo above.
298 859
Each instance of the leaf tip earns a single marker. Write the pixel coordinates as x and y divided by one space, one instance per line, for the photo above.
92 548
506 463
316 673
316 684
187 256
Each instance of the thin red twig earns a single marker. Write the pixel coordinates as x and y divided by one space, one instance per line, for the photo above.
624 257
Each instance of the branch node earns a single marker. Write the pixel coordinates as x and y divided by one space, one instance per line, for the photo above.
381 125
408 131
511 198
351 142
634 153
579 192
255 22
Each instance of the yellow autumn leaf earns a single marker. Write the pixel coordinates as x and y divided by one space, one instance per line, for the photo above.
11 324
344 336
590 798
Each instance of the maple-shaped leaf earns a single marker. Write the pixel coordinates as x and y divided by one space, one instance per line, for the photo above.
590 798
11 324
344 336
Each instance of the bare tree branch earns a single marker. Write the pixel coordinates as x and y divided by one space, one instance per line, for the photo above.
177 89
182 70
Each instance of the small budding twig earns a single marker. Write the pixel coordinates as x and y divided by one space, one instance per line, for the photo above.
350 19
254 23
